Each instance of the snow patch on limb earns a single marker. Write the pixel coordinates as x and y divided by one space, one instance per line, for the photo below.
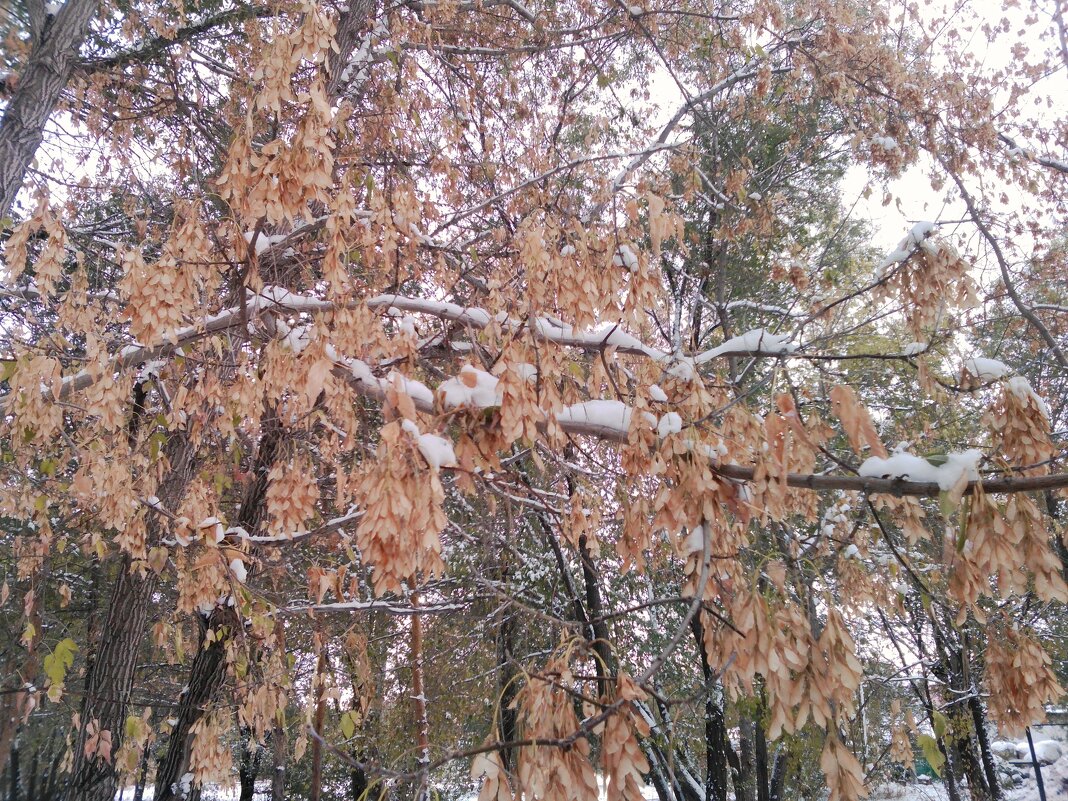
906 247
474 389
1022 389
626 257
361 372
613 415
756 341
987 370
657 394
679 366
958 467
611 335
416 390
437 451
272 295
915 348
670 423
264 242
295 339
239 571
479 318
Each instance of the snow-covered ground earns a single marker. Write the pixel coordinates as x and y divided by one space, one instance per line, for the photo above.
1055 778
210 793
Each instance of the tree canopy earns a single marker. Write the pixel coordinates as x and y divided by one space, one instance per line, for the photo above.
405 398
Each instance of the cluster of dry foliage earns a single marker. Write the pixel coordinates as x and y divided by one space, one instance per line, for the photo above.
399 396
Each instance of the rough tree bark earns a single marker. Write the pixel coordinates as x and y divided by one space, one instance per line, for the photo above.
40 84
716 742
778 774
419 696
745 786
606 663
760 754
319 689
251 756
16 706
278 734
209 665
507 675
109 680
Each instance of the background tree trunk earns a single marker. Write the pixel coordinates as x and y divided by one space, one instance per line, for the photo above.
109 680
251 756
319 688
40 84
206 676
716 743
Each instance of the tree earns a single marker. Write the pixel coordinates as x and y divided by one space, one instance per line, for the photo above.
385 408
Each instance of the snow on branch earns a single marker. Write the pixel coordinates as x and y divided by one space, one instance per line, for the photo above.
372 606
609 420
757 342
605 419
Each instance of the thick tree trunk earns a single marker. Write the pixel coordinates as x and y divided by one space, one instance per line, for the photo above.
40 84
205 678
954 664
251 756
606 663
278 763
716 742
31 780
209 665
319 688
14 770
983 744
508 684
16 706
778 774
760 755
745 786
109 680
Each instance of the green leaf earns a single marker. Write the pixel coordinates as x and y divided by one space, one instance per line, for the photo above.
7 369
348 725
56 665
941 725
221 481
946 504
156 443
931 753
133 727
